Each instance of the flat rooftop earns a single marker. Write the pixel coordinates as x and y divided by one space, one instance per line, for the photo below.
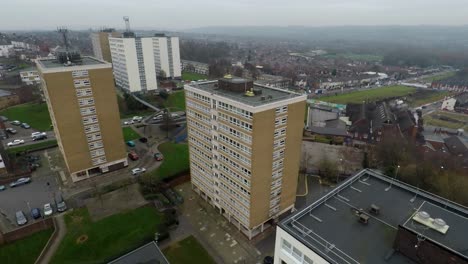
53 63
330 227
268 94
149 253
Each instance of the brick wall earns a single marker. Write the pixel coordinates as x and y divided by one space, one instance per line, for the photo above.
25 231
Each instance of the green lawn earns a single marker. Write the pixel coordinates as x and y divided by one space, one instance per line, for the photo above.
176 160
176 100
187 251
32 147
25 250
433 120
190 76
439 77
107 238
130 134
36 115
371 95
355 56
433 96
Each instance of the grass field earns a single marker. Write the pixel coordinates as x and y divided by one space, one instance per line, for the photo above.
371 95
429 97
355 56
32 147
26 250
129 134
36 115
105 239
439 77
176 100
190 76
176 160
188 250
433 120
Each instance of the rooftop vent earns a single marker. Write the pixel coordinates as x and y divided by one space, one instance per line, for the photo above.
374 209
424 215
436 224
439 223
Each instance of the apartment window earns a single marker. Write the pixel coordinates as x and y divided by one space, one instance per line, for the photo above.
80 73
281 109
84 92
95 145
280 132
99 160
88 111
277 164
278 154
81 83
277 174
279 121
91 128
86 101
286 246
97 152
90 120
93 137
279 143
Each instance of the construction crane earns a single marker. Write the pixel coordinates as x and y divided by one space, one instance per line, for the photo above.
127 23
64 32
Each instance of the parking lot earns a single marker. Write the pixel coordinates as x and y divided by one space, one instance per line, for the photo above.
44 184
25 134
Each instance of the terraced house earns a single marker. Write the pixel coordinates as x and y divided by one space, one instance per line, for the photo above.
245 142
81 98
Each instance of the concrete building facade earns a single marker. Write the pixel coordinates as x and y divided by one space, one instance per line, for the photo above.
244 143
83 108
100 41
138 61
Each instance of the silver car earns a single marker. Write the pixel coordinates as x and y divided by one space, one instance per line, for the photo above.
21 218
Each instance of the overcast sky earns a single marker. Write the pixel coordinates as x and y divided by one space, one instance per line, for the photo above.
182 14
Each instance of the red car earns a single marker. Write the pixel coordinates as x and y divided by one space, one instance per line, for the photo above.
133 156
158 156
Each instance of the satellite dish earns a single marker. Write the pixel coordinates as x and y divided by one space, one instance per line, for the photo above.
424 215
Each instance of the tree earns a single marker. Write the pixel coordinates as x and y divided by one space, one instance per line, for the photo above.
333 72
328 169
365 161
162 74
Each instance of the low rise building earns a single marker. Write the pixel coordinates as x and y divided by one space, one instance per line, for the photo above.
30 76
274 81
195 67
8 99
373 218
448 104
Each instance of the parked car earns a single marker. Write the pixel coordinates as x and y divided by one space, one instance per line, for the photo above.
133 156
130 122
158 117
21 218
20 181
48 210
25 125
137 118
11 130
61 205
36 134
16 123
15 142
35 213
174 115
130 143
2 188
40 137
137 171
143 140
158 156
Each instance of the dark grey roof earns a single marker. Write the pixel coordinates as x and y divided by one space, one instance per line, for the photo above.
4 93
328 131
147 254
456 145
330 227
53 63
